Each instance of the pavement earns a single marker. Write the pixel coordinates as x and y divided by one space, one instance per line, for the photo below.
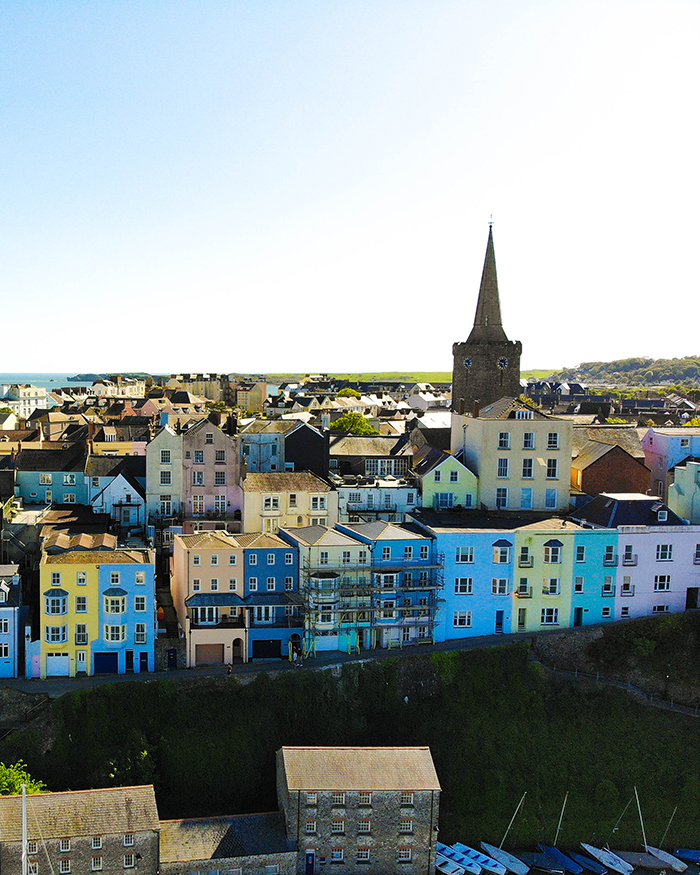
56 687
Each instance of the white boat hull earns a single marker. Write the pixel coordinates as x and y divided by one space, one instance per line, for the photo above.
668 859
607 858
512 864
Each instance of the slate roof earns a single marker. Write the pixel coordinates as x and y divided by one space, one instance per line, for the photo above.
58 540
271 426
209 539
315 535
383 531
594 450
623 436
359 768
215 838
260 540
610 510
505 408
71 459
102 557
283 481
373 445
80 813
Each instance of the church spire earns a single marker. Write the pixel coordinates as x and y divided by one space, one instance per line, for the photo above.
487 322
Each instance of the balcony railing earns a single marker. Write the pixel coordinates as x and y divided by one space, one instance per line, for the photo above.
224 622
523 592
627 590
629 559
610 560
526 562
607 591
551 591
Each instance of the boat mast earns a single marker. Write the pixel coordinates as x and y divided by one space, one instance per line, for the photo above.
668 826
561 817
641 821
513 818
24 829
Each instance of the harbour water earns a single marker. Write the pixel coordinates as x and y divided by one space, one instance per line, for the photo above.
48 381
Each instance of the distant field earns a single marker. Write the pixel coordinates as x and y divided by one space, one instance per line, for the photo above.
412 377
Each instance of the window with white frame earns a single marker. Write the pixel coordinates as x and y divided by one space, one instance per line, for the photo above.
504 440
56 604
114 634
271 502
337 855
253 559
253 584
219 456
323 557
526 497
165 457
81 604
289 559
214 584
364 826
140 633
64 867
362 855
464 586
624 612
578 585
662 582
549 617
425 551
364 798
502 498
502 469
219 478
606 613
318 502
406 825
553 440
499 586
552 469
56 634
529 440
580 553
337 826
198 478
465 555
501 555
338 798
660 609
437 477
312 798
232 584
406 799
462 619
55 578
552 554
551 499
454 476
64 846
528 470
664 552
166 478
386 553
288 584
129 859
270 584
96 864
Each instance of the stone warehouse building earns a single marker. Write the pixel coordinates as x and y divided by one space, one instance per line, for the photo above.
373 809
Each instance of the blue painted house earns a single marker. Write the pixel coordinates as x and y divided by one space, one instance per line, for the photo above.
270 589
51 476
10 610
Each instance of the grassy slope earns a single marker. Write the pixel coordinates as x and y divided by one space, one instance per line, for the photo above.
495 724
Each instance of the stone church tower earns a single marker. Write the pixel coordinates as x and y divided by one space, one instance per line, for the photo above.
486 366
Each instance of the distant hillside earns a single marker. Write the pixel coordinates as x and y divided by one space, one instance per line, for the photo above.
641 371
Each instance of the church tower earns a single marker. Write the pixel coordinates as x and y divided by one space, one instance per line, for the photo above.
486 366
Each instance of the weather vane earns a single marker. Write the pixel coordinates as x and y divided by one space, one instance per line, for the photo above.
491 221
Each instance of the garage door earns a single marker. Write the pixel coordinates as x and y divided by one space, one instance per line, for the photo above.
106 663
57 665
267 649
209 654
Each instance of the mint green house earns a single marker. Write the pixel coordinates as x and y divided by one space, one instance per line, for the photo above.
446 482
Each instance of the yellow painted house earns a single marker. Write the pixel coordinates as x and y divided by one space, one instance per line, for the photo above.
446 482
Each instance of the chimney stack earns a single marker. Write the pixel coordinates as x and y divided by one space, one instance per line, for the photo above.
475 412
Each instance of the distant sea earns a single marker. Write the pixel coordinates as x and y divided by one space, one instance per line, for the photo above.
47 381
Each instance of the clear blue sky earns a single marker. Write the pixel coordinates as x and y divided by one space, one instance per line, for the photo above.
282 185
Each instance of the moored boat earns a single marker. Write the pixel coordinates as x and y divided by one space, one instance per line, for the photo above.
561 859
447 866
608 859
541 861
511 862
688 854
640 860
588 863
467 864
668 859
487 863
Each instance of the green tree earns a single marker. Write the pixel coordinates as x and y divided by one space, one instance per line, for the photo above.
347 392
353 423
13 776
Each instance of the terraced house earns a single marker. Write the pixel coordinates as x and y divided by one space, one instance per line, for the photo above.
236 596
96 614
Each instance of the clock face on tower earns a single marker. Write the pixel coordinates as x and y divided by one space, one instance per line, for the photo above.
467 363
503 363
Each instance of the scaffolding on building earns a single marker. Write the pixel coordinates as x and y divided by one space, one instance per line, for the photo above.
389 604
